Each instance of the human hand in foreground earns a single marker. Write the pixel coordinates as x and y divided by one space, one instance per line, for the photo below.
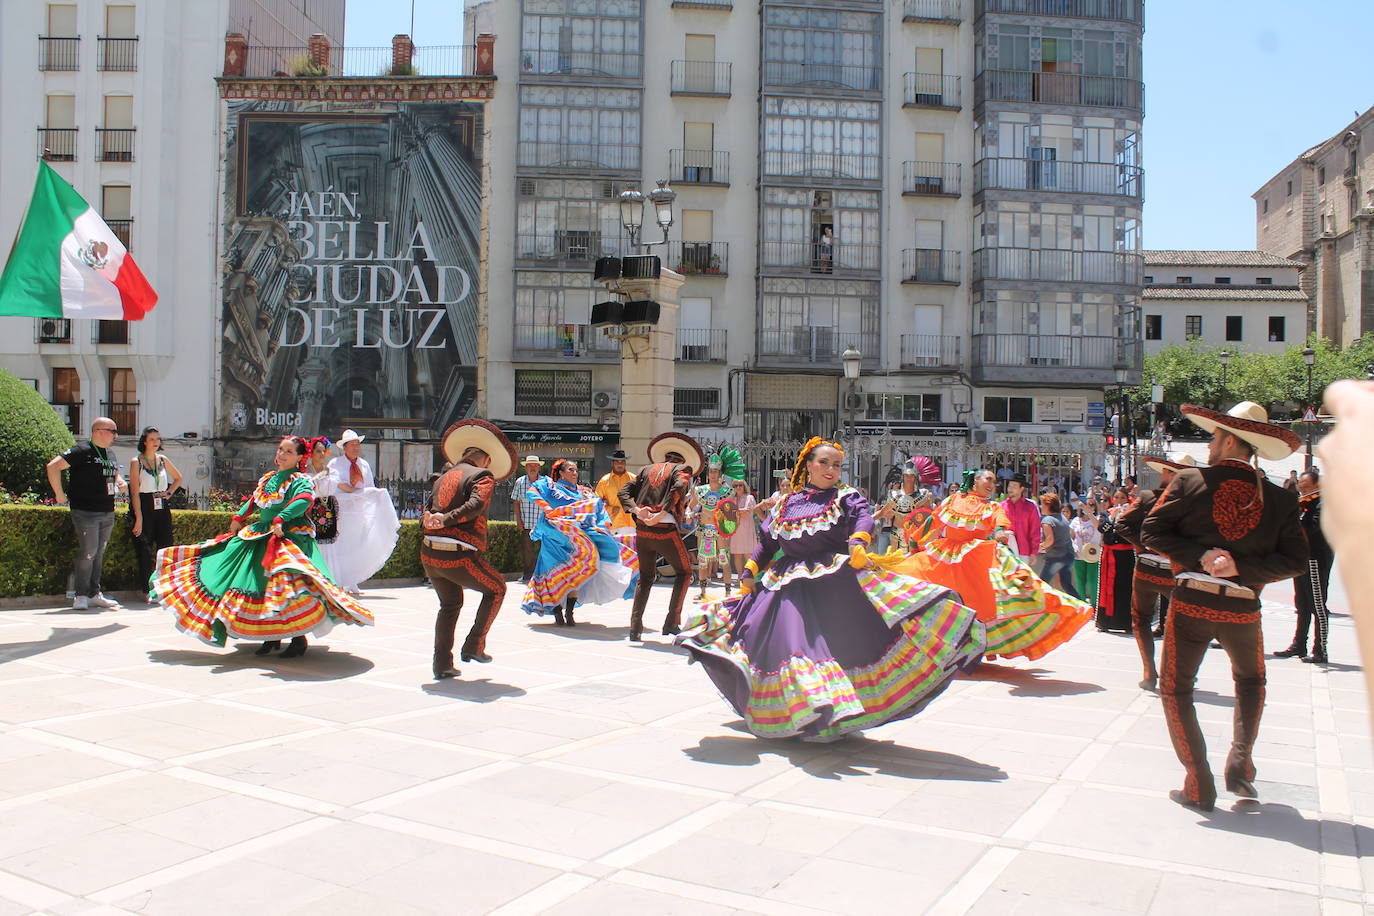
858 557
1345 455
746 584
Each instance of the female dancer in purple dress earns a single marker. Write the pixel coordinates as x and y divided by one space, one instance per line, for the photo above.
821 641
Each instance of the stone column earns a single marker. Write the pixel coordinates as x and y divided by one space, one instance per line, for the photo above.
647 368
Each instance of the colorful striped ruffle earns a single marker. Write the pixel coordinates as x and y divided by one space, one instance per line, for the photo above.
1033 618
772 580
574 559
791 529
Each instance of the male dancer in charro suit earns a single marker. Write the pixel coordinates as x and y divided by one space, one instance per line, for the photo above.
1311 588
657 498
1154 576
1228 532
455 537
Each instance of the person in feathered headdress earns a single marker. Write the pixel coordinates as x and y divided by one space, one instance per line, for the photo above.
910 496
713 543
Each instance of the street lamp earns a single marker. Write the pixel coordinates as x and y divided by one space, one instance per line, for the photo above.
1225 357
632 211
852 359
1122 421
1309 357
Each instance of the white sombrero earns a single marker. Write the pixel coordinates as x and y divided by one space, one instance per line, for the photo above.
1250 422
474 433
1175 462
683 444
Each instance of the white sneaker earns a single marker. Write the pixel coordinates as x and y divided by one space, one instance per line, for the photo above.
80 603
101 601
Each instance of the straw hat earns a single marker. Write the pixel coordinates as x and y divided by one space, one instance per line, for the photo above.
683 444
474 433
1250 422
1175 462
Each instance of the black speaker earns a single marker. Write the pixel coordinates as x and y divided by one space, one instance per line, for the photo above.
606 269
640 311
609 312
642 267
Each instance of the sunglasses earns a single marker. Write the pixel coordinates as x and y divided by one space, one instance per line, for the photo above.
105 429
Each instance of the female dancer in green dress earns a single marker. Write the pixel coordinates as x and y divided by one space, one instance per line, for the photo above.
264 579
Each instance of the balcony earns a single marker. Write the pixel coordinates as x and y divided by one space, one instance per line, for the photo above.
701 345
699 167
1057 266
539 154
613 64
931 90
117 54
699 258
835 166
52 330
1123 10
697 404
124 414
818 346
931 179
57 144
1059 89
110 332
822 76
123 230
70 414
930 351
59 53
559 342
1052 358
1106 178
931 10
931 266
700 78
819 258
569 245
114 144
261 61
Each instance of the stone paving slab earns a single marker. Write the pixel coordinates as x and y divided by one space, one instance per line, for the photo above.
141 772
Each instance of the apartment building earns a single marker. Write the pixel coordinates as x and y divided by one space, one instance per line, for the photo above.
1241 300
1319 210
950 188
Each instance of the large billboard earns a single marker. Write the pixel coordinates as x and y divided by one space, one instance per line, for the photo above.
349 268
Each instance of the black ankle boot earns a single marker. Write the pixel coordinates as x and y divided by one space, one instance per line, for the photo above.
296 649
568 611
268 647
558 617
1295 649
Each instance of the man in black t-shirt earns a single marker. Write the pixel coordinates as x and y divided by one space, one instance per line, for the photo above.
91 489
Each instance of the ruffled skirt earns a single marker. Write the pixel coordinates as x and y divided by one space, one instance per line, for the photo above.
820 650
367 529
592 563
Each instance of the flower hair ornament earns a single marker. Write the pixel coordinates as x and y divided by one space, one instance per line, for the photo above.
319 442
966 484
303 446
799 471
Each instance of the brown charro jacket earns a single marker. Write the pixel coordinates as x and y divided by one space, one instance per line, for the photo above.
663 486
462 494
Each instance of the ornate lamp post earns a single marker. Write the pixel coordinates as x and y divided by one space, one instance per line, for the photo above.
1123 422
632 211
1225 357
852 360
1309 358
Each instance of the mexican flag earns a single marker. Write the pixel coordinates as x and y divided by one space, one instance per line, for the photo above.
67 263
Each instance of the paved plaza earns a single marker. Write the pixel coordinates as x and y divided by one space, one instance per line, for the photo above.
143 772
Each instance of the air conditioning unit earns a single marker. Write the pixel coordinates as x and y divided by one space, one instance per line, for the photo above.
51 327
979 436
527 188
605 400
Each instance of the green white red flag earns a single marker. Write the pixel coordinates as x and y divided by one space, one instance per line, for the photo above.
67 263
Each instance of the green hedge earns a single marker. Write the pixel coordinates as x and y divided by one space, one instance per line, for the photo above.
37 547
31 435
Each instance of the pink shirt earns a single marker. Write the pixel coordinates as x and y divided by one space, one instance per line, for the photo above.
1025 524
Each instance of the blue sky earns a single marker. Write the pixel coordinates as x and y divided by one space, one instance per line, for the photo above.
1234 91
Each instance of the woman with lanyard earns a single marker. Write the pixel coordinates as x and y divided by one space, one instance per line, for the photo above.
152 481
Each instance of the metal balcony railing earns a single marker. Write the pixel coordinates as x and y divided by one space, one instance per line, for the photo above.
114 144
704 4
1067 350
930 265
697 404
939 179
1055 175
70 414
1124 10
690 258
110 332
699 166
615 64
700 77
822 76
819 345
294 60
123 230
556 155
124 414
57 144
117 53
930 351
930 90
570 245
1059 89
822 258
822 165
931 10
52 330
565 341
59 53
701 345
1056 265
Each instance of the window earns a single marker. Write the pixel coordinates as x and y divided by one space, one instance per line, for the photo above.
921 408
1007 410
703 403
829 48
1192 326
821 231
837 138
569 220
66 396
1277 332
1235 327
1147 279
817 319
111 331
1321 175
1264 205
122 407
1154 327
553 393
1264 281
1183 280
1222 281
579 127
1289 189
116 207
598 37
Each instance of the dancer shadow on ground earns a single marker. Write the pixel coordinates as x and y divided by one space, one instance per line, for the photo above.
854 755
1027 682
596 632
478 690
318 663
57 639
1276 821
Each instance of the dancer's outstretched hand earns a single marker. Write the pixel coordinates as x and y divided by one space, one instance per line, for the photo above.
858 557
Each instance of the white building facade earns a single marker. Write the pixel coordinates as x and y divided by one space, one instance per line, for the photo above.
950 187
1245 300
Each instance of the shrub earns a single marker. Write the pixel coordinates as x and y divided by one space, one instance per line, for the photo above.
302 65
30 435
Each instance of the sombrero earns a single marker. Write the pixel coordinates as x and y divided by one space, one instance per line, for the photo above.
1177 462
1250 422
683 444
474 433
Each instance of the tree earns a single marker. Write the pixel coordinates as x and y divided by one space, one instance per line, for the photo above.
30 435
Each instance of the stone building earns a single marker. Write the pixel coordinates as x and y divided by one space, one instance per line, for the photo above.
1244 300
